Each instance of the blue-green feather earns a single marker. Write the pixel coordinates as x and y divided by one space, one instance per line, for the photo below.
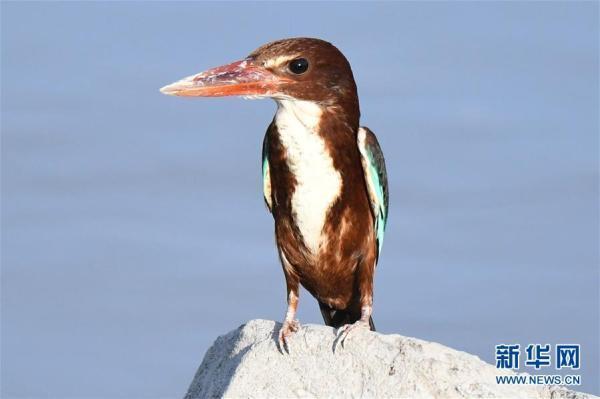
378 176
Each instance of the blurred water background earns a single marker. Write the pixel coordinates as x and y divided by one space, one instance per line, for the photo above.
133 225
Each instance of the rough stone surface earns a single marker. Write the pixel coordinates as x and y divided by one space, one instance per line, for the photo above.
247 363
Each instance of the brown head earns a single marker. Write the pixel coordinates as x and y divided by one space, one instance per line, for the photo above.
299 68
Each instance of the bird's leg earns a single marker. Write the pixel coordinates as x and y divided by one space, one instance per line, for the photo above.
365 280
290 324
362 323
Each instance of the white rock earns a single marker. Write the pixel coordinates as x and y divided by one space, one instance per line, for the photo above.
246 363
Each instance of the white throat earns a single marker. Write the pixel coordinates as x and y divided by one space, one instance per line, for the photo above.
318 183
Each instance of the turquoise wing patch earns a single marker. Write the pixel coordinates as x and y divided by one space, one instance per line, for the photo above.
375 173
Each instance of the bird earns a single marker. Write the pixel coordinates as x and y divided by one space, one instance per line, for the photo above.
324 175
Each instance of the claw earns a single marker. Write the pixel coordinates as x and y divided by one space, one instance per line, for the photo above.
345 330
288 328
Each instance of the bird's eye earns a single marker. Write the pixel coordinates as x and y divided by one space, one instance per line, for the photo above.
299 66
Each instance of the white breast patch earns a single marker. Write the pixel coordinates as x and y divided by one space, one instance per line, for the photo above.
318 183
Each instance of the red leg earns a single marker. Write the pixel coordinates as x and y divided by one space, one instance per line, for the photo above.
366 271
290 324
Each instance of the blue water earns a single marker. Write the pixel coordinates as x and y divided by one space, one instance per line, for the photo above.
133 225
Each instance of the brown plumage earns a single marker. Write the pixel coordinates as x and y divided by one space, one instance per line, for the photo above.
343 267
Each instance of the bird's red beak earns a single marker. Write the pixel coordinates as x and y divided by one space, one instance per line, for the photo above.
240 78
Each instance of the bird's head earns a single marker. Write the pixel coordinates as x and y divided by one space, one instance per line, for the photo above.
289 69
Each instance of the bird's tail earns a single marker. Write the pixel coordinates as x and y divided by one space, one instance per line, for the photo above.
337 318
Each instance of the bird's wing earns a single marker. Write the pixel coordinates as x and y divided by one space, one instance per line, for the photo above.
266 172
373 165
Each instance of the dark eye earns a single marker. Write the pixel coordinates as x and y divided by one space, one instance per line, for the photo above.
299 66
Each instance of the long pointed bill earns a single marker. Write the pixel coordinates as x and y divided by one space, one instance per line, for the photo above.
240 78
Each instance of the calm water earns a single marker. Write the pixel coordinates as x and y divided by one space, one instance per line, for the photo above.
133 226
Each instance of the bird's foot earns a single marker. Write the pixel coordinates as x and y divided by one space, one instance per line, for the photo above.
286 331
345 330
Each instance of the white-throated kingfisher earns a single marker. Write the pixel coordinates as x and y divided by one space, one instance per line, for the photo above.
324 177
